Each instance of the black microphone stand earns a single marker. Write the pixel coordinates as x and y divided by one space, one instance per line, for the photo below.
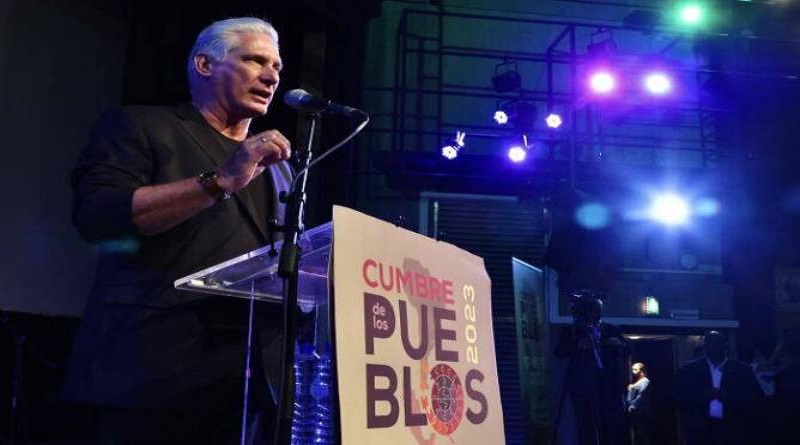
287 269
16 429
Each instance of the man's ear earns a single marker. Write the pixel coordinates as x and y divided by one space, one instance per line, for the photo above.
203 65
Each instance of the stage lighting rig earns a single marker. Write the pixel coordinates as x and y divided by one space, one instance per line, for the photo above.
506 77
601 44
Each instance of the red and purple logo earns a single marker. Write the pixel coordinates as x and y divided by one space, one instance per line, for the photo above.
447 400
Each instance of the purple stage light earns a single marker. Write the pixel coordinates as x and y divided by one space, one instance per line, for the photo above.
553 120
657 83
602 82
517 153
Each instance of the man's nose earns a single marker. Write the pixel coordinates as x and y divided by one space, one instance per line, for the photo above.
270 76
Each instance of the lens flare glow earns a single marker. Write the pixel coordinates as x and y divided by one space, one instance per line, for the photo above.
706 207
593 215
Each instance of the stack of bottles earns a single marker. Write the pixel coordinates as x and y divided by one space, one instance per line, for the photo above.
303 424
314 421
322 390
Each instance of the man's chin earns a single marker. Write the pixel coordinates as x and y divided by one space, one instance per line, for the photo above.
255 110
261 109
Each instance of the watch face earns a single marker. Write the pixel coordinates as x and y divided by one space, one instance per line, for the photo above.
207 180
206 177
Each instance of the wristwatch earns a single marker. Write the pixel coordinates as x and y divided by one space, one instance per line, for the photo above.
208 180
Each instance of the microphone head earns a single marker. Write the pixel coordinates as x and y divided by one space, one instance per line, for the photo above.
301 100
295 98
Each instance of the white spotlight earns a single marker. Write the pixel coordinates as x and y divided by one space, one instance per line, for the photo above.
669 209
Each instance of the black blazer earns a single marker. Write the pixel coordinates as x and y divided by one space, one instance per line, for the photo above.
741 397
141 341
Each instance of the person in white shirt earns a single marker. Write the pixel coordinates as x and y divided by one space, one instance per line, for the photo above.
638 403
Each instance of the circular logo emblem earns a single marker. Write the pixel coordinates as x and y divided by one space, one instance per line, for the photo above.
447 397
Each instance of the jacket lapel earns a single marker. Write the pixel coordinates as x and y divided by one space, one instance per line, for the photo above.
209 144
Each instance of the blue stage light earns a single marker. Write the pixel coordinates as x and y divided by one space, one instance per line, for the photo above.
517 153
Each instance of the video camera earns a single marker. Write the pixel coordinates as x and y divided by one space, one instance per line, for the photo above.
586 307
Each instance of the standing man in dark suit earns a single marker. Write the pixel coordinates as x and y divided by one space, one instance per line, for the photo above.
165 192
717 397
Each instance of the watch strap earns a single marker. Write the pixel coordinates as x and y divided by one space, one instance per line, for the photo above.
208 180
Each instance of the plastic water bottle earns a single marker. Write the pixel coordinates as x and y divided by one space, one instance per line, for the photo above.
303 420
323 392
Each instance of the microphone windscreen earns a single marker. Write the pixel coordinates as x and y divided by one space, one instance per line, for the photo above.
296 98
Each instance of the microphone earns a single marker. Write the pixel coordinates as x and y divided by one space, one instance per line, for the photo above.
301 100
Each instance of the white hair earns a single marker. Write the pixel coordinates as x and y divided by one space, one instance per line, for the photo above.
220 37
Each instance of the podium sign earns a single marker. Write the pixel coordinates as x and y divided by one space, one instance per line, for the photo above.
413 335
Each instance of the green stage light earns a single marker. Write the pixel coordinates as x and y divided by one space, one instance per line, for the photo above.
692 14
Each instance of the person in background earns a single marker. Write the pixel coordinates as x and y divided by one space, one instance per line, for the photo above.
638 404
717 396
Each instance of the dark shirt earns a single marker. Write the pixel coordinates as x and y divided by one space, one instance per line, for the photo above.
141 341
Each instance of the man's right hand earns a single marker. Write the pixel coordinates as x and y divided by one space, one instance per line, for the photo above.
157 208
252 157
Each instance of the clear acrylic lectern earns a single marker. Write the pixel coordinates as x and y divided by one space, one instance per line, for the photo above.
254 276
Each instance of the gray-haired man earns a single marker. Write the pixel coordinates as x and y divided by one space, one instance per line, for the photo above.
165 192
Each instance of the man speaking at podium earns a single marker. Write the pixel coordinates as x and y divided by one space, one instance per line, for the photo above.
165 192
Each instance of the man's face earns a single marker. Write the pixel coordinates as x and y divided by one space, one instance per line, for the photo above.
716 348
245 81
636 369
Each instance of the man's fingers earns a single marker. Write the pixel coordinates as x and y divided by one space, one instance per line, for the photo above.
272 146
274 137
